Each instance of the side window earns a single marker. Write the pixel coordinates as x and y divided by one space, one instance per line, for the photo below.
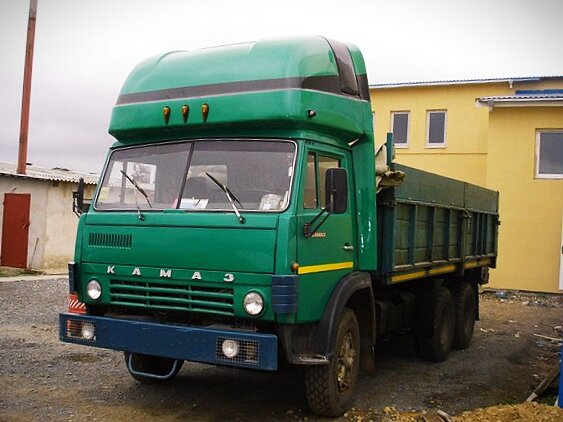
325 163
310 193
314 191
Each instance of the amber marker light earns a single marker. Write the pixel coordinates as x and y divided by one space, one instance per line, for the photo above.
294 267
185 112
204 111
166 114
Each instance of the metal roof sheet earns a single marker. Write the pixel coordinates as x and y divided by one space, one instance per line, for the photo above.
56 174
521 100
464 81
557 97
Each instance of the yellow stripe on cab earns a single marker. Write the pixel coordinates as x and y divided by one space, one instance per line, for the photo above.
325 267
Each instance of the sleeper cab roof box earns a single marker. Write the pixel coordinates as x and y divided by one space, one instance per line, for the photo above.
301 83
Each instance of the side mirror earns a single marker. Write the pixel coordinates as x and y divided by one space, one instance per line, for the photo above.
336 190
78 204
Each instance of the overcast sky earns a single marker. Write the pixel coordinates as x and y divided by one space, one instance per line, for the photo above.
85 49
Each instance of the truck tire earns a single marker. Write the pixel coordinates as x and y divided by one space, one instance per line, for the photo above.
153 365
329 388
465 315
438 319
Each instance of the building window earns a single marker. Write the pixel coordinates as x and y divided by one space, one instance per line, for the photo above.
436 129
400 128
549 154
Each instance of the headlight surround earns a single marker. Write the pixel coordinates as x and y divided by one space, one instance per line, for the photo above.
253 303
94 289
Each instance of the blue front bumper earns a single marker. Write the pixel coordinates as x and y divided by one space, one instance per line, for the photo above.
256 351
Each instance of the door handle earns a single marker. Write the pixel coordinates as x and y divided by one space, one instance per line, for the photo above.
348 247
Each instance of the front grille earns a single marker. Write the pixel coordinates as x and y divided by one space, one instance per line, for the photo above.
110 240
172 297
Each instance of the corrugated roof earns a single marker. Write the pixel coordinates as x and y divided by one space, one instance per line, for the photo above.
524 97
464 81
521 100
57 174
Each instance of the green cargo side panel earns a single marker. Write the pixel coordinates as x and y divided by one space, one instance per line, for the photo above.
433 225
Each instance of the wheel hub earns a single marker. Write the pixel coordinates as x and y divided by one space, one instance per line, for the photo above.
345 362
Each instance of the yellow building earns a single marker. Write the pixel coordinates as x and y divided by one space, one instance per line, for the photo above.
505 134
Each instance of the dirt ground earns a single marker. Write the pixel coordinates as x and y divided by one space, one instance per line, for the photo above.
44 379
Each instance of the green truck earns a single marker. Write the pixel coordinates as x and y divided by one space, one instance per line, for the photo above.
243 218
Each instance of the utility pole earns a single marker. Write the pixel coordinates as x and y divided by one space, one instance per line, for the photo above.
24 124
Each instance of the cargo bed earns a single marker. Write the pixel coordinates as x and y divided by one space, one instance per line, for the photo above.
433 225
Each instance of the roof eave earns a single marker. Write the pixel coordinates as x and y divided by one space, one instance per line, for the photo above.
519 102
509 81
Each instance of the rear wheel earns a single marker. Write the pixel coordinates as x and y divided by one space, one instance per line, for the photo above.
437 325
465 315
330 387
161 369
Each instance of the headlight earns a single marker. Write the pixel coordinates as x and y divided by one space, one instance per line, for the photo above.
253 303
88 331
94 289
230 348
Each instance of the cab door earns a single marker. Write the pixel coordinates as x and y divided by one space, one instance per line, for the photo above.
329 253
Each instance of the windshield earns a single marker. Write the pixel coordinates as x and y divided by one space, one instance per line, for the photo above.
201 175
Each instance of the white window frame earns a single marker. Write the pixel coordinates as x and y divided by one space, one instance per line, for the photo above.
537 157
435 144
402 144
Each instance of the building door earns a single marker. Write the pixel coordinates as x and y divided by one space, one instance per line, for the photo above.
15 229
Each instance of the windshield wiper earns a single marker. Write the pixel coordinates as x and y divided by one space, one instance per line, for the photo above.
230 196
140 189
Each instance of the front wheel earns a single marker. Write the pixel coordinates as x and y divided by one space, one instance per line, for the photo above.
329 388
